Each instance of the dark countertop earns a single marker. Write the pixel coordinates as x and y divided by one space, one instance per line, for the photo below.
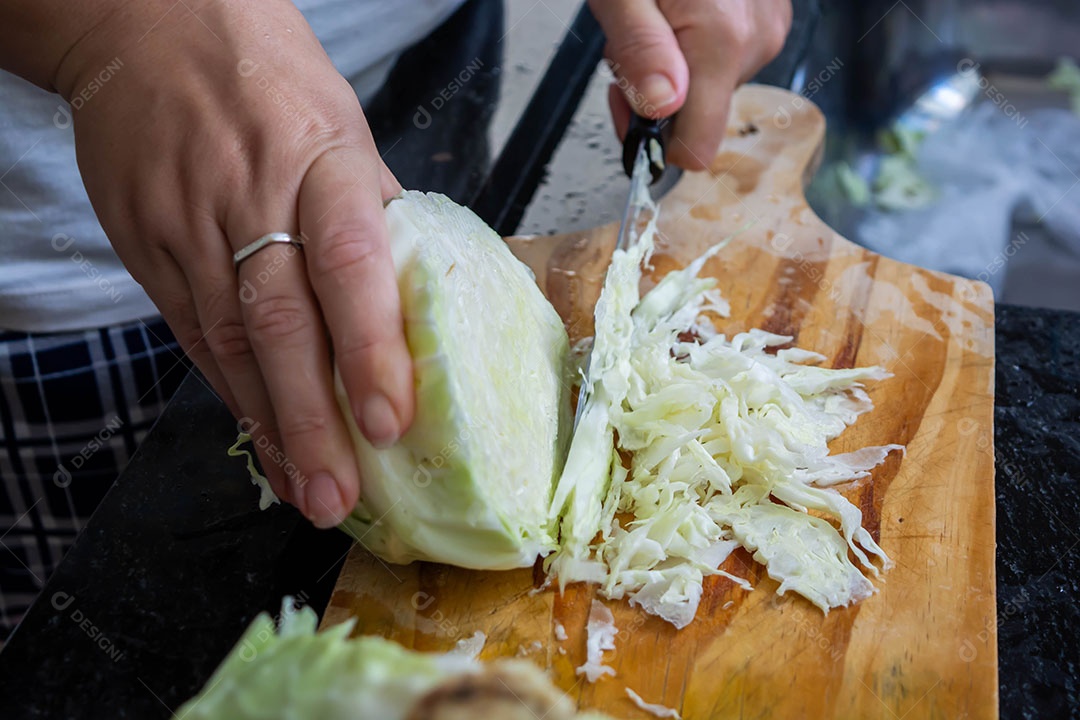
1037 454
178 559
167 573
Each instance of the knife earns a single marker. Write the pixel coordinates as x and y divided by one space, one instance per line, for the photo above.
643 161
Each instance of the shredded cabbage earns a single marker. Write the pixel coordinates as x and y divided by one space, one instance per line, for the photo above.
600 634
727 440
656 709
591 459
266 493
470 647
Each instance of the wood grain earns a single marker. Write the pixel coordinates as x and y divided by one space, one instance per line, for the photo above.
925 646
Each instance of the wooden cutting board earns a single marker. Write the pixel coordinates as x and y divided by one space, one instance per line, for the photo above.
925 646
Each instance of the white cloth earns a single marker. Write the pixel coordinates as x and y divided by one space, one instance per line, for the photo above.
57 269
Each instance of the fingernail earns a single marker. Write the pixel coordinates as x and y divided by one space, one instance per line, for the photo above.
657 91
378 421
322 501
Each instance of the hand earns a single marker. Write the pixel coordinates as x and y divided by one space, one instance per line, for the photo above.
226 122
687 56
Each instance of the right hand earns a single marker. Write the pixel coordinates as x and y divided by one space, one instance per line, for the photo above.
687 56
228 121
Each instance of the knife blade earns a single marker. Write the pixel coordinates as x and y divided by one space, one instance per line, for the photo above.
643 161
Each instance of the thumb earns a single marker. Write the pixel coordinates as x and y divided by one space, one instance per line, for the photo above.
649 67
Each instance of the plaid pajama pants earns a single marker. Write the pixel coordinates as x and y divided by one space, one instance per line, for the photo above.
73 408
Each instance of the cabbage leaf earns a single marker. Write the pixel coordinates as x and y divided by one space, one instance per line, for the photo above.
470 483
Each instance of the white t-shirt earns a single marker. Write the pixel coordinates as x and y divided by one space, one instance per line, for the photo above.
57 269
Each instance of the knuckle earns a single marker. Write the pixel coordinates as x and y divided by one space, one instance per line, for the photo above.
218 300
189 337
718 26
303 424
277 319
642 41
343 250
732 23
178 311
314 135
356 346
699 14
681 12
228 340
738 32
331 121
268 430
776 36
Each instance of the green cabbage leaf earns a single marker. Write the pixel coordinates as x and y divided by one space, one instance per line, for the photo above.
285 670
470 483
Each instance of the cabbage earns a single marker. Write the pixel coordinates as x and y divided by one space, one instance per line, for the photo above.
690 443
851 183
292 672
656 709
600 632
266 493
592 457
899 185
727 446
296 673
1066 76
470 483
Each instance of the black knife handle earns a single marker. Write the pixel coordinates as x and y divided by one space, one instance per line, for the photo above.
642 130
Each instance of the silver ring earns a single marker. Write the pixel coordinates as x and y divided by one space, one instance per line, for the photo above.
268 239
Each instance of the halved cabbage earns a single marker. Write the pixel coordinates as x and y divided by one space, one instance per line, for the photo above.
470 483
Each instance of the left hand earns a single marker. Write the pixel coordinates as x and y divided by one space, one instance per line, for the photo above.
687 56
